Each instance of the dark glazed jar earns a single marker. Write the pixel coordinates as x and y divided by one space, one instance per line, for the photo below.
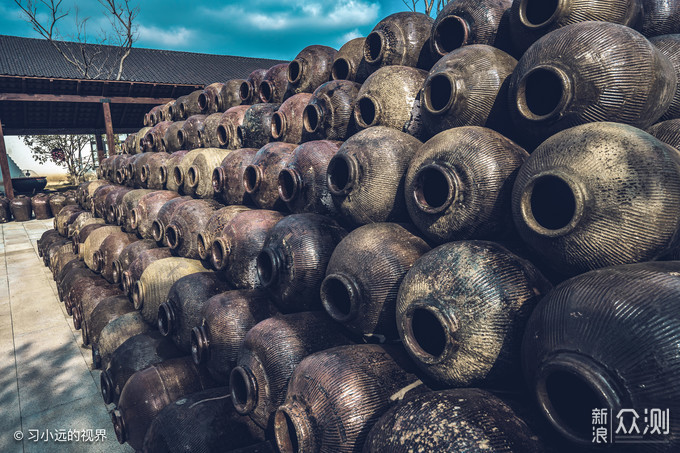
171 141
225 320
188 105
5 212
218 97
163 218
65 217
616 75
21 208
324 394
669 45
199 175
175 111
209 131
182 311
364 274
128 255
466 22
461 313
221 428
661 17
114 334
310 68
134 354
188 220
610 320
227 130
366 175
99 198
470 420
41 206
532 19
57 201
328 114
391 97
287 120
302 182
349 62
127 203
147 209
167 171
148 391
598 195
110 251
136 268
668 132
468 87
261 177
214 227
109 211
400 39
189 136
259 380
459 185
104 312
154 138
274 84
236 248
249 91
292 263
227 179
256 129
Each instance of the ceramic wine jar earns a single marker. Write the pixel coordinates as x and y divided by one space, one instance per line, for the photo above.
310 68
363 277
302 182
349 62
366 176
468 87
292 263
225 320
461 313
605 339
467 22
616 75
598 195
328 114
459 184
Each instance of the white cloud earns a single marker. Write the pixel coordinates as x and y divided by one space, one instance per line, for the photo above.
173 37
350 35
340 14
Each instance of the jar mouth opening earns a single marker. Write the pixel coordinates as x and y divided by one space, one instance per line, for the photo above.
218 179
245 91
539 13
341 174
157 231
341 69
266 91
543 93
339 297
439 93
434 189
450 34
243 390
428 333
310 118
222 135
294 71
251 178
552 204
278 125
374 47
366 112
172 236
267 264
289 183
289 430
568 388
203 101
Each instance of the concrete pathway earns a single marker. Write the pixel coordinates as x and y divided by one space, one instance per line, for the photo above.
49 395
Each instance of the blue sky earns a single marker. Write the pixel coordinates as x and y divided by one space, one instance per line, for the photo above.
256 28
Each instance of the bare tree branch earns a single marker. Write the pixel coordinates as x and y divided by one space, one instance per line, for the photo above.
412 5
91 60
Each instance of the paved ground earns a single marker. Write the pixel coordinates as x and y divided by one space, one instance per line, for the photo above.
48 391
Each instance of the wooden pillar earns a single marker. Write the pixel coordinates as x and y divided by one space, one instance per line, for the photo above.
4 167
101 154
106 104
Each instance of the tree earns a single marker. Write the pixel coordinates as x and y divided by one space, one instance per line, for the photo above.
102 59
429 4
67 151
